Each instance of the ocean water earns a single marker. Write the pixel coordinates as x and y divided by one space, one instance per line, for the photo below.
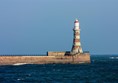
102 69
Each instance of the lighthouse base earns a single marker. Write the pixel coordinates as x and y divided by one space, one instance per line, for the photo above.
66 57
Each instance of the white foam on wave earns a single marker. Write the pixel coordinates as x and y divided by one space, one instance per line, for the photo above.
16 64
116 57
20 79
113 57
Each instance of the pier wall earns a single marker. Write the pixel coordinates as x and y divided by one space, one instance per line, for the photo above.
56 53
53 53
9 60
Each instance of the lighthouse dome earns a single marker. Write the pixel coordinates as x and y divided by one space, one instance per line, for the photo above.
76 21
76 25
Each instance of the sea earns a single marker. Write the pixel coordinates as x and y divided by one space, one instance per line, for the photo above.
102 69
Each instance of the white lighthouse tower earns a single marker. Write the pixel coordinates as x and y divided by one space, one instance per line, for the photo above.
76 48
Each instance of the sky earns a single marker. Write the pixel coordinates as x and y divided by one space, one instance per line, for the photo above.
38 26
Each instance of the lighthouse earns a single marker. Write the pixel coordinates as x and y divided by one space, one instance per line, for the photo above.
76 48
76 55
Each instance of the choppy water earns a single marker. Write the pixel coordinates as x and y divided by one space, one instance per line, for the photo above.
103 69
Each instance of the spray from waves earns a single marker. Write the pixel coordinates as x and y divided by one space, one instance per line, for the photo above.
113 57
17 64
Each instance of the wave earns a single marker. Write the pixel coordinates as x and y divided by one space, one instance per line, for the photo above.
17 64
113 57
